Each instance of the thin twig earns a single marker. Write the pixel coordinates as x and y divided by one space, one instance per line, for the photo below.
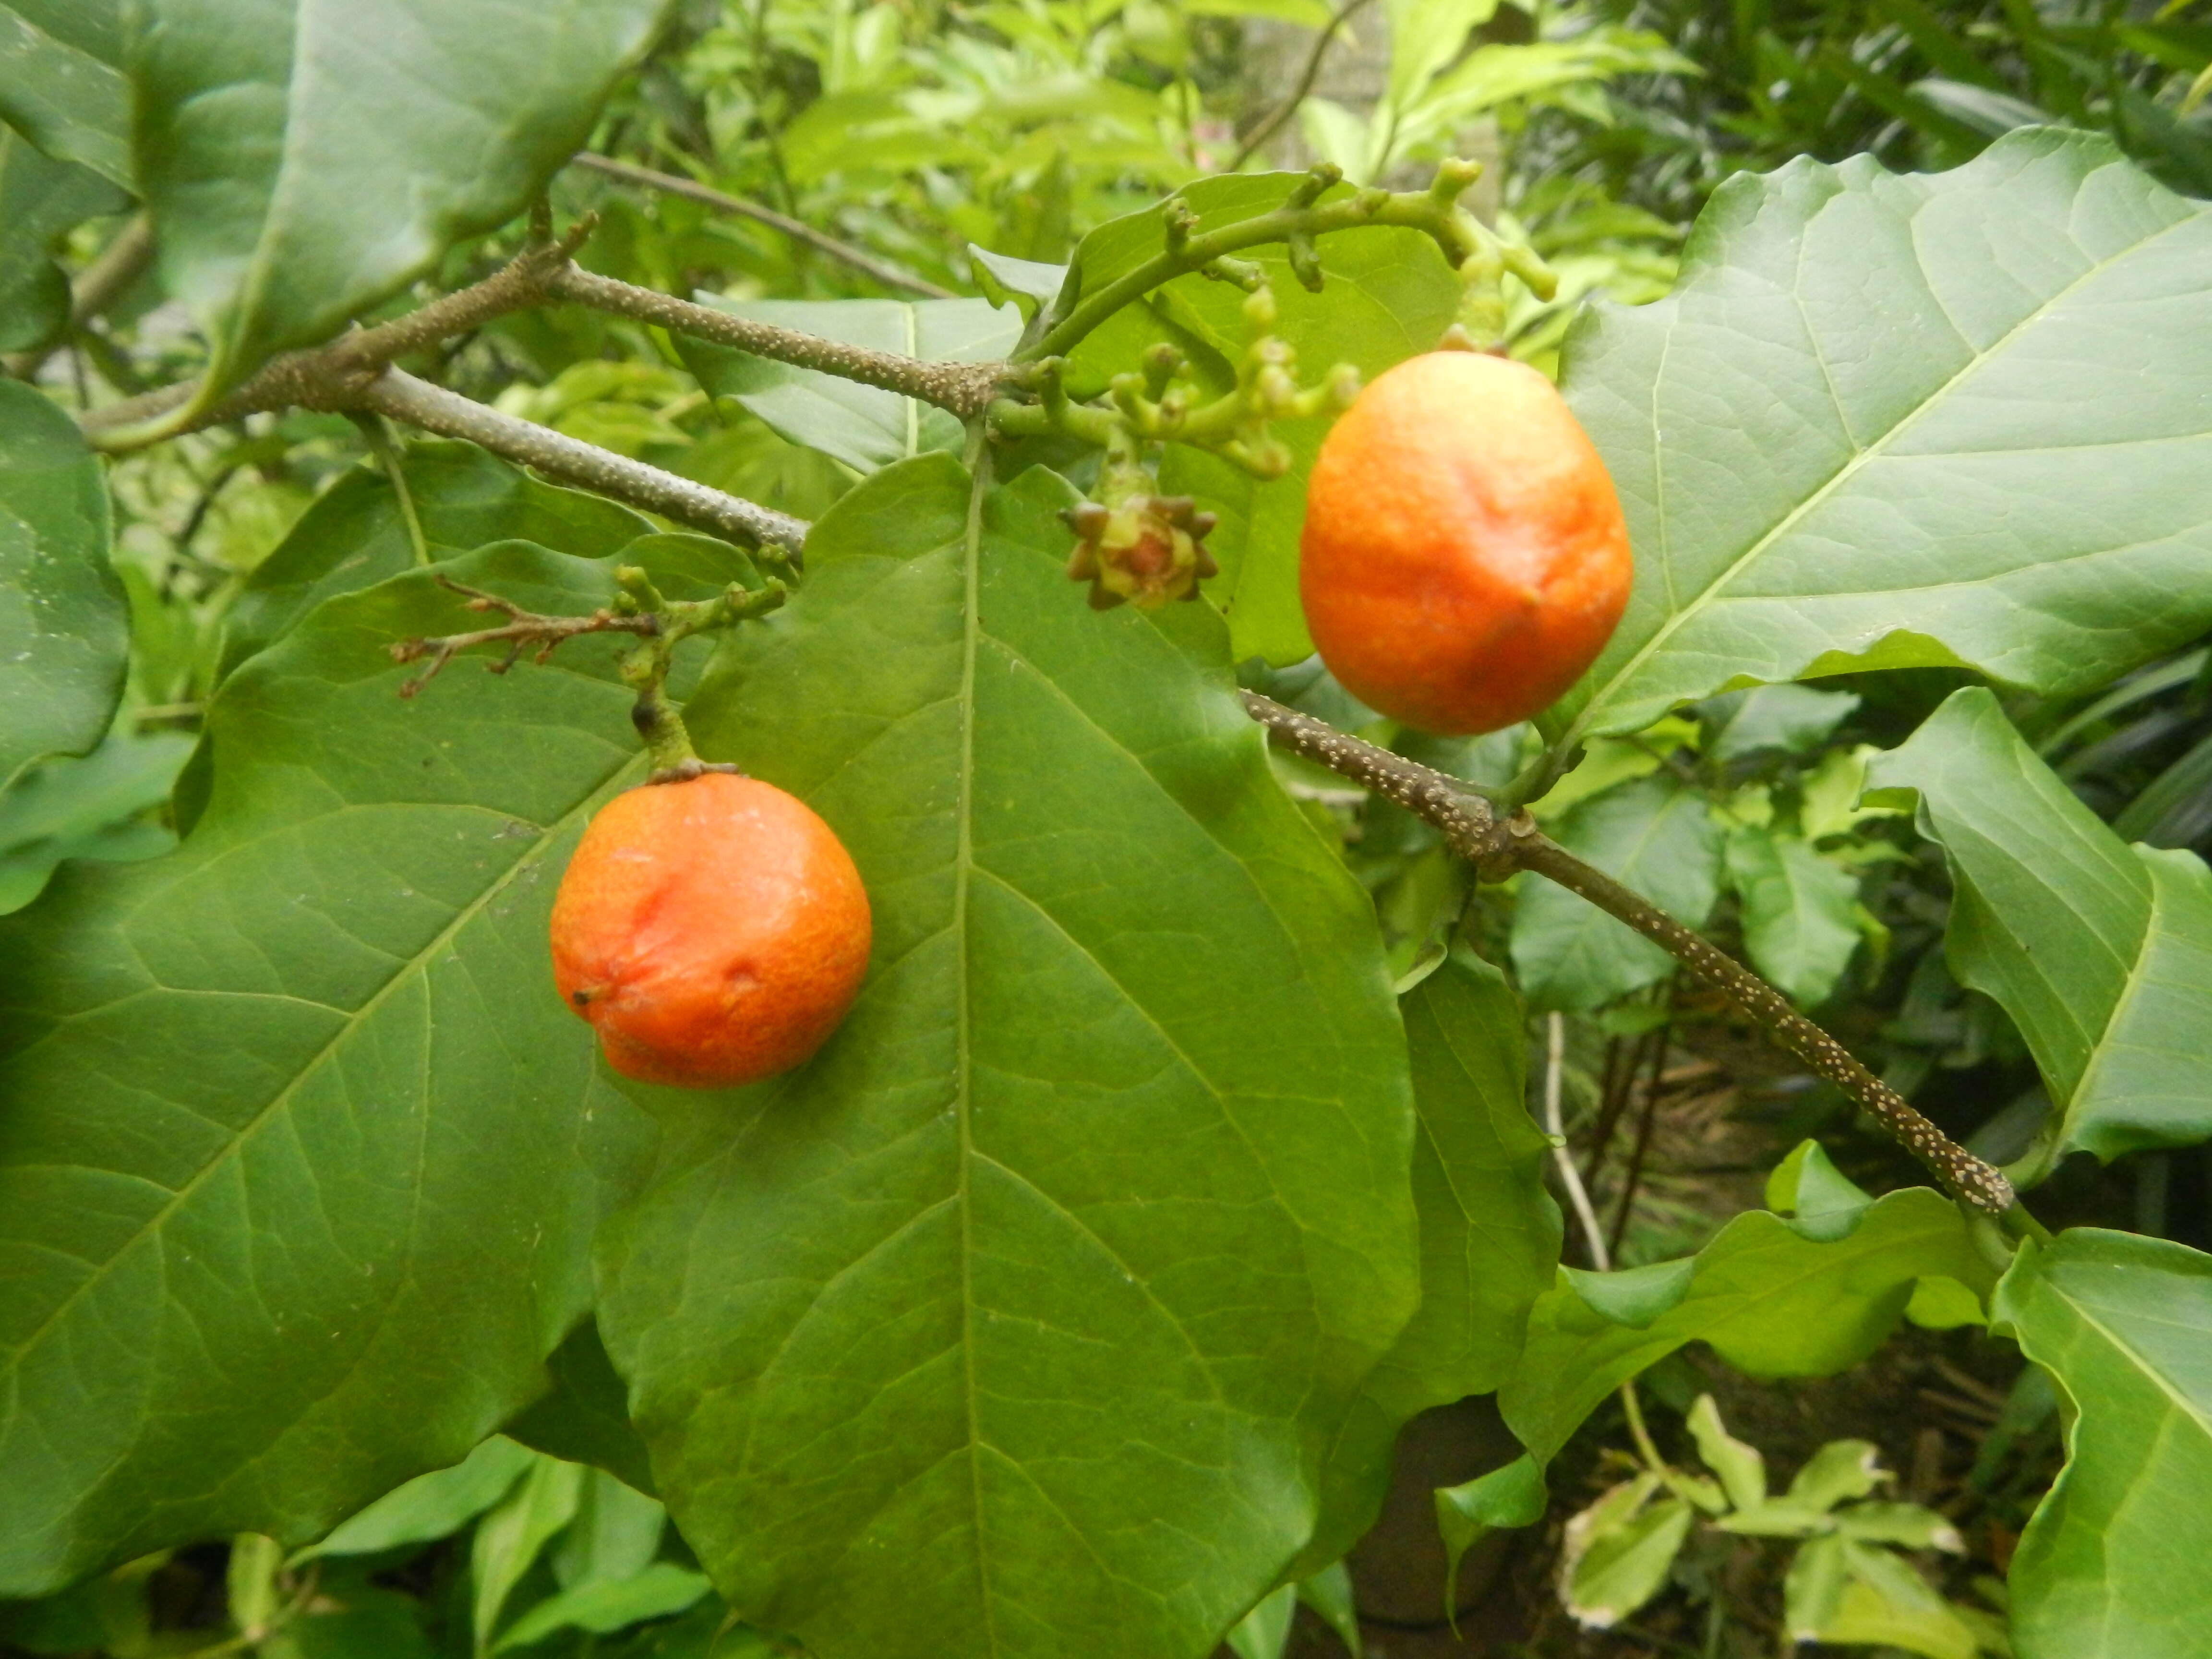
964 388
524 630
1645 1122
798 229
1555 1033
1289 106
400 395
1498 848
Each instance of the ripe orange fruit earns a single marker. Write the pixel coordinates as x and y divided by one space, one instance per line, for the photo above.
1464 558
713 931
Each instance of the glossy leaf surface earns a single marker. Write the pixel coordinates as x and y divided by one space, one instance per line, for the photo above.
2101 952
1052 1278
305 159
1953 418
62 611
299 1155
2111 1566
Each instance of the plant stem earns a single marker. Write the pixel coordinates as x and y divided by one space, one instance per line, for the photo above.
401 396
798 229
1283 112
962 388
1578 1198
1498 848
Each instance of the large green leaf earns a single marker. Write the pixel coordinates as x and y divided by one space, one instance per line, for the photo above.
1770 1300
863 426
1800 910
1490 1231
305 159
300 1154
64 624
2101 953
1053 1277
1656 836
356 535
62 84
41 200
1955 419
2113 1564
1388 295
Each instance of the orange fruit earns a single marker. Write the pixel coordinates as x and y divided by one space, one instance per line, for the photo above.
714 932
1464 558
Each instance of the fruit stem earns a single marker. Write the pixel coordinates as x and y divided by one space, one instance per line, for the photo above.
1499 846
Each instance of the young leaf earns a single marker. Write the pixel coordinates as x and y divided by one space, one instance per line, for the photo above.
1616 1552
62 84
1328 1593
1097 1208
603 1605
1741 1466
507 1541
432 1505
863 426
1769 1300
1840 1471
1265 1631
1656 836
1821 1202
1511 1497
2101 953
2111 1566
1842 396
62 610
302 1158
304 159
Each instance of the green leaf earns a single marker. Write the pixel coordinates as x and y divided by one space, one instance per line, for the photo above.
62 84
1844 395
356 535
90 808
1840 1471
430 1506
615 1536
1097 1209
586 1420
863 426
1025 284
305 160
1878 1601
62 611
2111 1566
1799 912
41 201
2101 953
1489 1230
1908 1526
1789 719
1654 836
1767 1299
1265 1631
1388 295
608 1604
299 1155
1328 1593
1308 13
506 1541
1823 1203
1739 1465
1511 1497
1615 1555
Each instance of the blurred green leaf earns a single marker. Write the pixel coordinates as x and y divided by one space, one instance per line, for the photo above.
1741 1466
1792 719
586 1420
2101 953
604 1605
304 159
1848 401
63 621
430 1506
91 808
615 1536
1615 1555
1511 1496
41 200
2109 1568
1328 1593
1097 1208
62 84
1822 1203
1654 836
507 1541
1265 1631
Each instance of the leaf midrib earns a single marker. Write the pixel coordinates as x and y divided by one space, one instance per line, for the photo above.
1593 711
408 971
